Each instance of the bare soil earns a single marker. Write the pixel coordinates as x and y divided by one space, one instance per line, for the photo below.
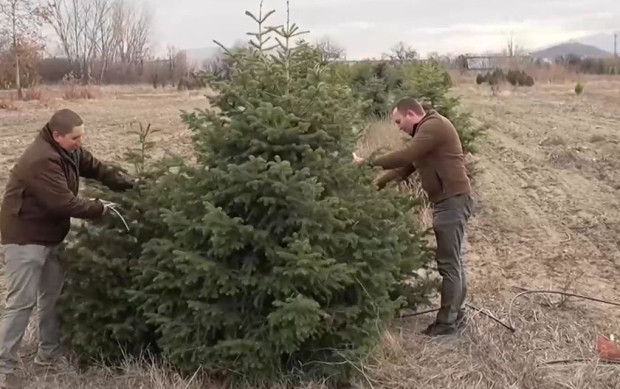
548 191
547 218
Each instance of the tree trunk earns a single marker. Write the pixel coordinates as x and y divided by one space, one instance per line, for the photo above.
104 68
18 84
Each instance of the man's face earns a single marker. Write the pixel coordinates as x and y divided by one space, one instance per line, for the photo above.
405 122
72 140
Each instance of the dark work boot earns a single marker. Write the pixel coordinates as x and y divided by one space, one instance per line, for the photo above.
440 329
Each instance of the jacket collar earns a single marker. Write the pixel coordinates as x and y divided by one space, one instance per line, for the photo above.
46 135
429 114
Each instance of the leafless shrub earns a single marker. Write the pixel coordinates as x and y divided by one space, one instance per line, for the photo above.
73 89
7 105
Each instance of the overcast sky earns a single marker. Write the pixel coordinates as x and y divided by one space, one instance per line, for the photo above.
366 28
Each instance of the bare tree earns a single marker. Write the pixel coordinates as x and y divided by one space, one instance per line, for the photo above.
104 34
434 56
172 56
100 30
18 21
330 51
220 64
132 30
181 65
513 49
401 52
74 23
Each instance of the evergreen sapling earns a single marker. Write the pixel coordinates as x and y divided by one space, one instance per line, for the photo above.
271 255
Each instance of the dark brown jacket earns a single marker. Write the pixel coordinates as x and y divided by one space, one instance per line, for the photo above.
435 151
41 194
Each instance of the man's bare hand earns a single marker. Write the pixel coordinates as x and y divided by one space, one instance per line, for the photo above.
107 205
359 161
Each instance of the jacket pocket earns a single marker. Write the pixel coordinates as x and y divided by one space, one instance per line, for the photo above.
430 181
14 202
440 182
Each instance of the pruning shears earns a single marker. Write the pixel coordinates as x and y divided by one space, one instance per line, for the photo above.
109 205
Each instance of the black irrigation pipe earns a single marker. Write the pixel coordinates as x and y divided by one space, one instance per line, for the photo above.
527 291
492 317
510 325
415 314
487 314
581 360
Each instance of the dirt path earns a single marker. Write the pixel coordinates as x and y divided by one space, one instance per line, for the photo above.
548 191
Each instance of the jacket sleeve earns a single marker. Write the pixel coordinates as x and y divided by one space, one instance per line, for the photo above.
425 140
48 183
395 174
92 168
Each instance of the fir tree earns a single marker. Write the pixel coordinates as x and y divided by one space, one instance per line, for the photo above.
272 255
380 86
431 83
98 319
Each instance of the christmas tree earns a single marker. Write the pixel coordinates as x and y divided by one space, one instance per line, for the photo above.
271 255
98 319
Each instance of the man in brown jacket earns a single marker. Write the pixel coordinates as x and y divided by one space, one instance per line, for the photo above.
41 197
435 151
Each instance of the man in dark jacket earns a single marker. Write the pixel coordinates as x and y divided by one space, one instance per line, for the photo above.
40 199
435 151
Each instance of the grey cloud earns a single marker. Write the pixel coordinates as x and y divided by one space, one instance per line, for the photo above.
369 27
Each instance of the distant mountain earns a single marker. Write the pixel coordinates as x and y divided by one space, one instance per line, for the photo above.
602 41
571 48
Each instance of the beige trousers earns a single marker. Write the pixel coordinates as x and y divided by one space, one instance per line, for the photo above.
33 276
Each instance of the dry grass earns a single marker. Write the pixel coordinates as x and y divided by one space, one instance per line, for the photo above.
77 92
486 355
549 350
36 93
554 140
537 225
379 137
73 91
384 136
7 105
132 374
553 74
